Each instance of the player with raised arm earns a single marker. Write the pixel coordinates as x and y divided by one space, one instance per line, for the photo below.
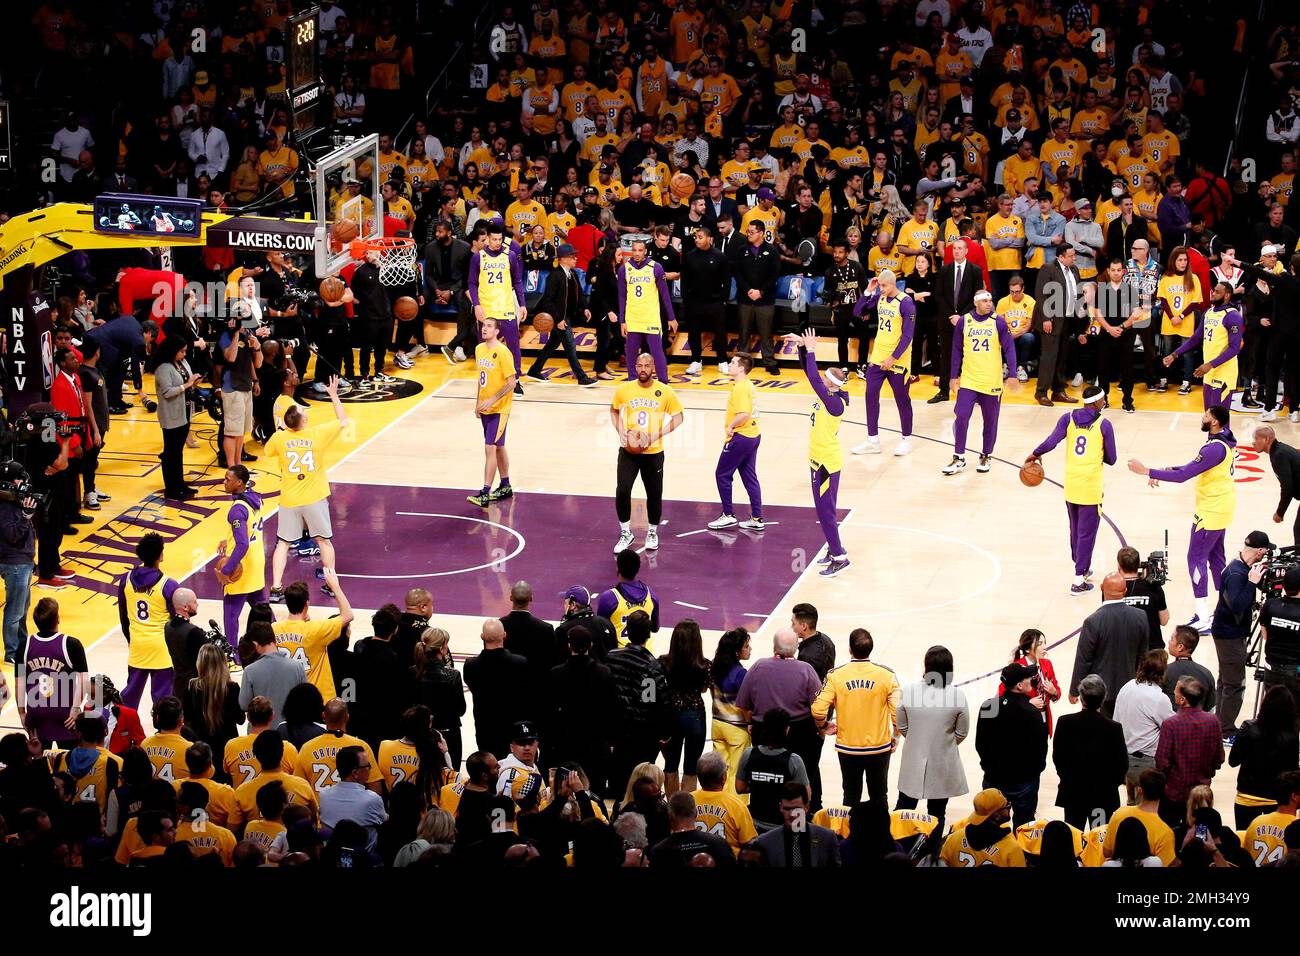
496 385
1216 503
978 377
304 486
896 324
825 456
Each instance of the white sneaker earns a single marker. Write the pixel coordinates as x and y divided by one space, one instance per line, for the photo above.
861 372
401 360
416 352
869 447
724 368
985 464
1021 374
652 539
1077 380
624 542
1294 417
754 524
695 368
1268 416
904 447
459 354
957 464
723 521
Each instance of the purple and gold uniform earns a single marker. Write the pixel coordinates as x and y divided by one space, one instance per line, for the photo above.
976 362
1090 445
494 370
643 300
740 451
496 282
244 550
825 456
1216 503
1218 332
895 326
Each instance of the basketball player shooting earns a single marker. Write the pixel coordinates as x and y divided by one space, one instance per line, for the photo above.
1216 502
496 386
637 413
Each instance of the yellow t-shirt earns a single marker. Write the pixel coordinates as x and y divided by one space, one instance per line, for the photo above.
1019 315
1159 835
305 642
958 852
921 235
1179 295
1265 840
495 365
770 221
1003 227
398 761
317 761
239 762
724 814
283 162
521 217
741 400
644 408
167 754
302 462
297 790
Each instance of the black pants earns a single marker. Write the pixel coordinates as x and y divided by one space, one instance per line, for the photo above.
89 465
454 746
761 317
925 338
375 337
408 331
706 317
1150 353
943 332
560 338
806 741
651 470
114 379
173 463
875 767
1284 365
1083 815
936 808
1054 358
847 326
466 334
50 522
1115 361
609 343
627 753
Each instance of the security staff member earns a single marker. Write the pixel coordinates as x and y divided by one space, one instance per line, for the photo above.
1286 466
1279 622
1231 626
1146 597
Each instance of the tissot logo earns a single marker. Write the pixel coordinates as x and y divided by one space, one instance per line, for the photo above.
78 910
309 95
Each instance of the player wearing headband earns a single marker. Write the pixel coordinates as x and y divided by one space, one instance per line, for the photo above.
1219 333
978 377
1089 446
825 457
1216 502
896 323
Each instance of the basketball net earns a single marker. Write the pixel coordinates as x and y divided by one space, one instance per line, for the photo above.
396 258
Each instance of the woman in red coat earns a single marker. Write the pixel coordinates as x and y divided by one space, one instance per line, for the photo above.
1032 652
124 728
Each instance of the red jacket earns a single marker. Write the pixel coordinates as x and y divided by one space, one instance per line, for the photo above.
127 732
162 286
1045 669
66 397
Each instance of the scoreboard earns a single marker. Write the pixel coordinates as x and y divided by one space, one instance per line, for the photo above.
307 99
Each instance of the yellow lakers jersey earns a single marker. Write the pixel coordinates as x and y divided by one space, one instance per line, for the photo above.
834 818
263 833
307 642
304 480
624 608
1215 340
981 361
496 285
449 796
1030 837
642 313
769 220
724 814
166 752
1265 841
741 400
318 760
97 782
824 439
495 366
643 408
1216 492
957 851
398 762
904 824
1180 294
239 763
252 566
1083 463
149 615
889 329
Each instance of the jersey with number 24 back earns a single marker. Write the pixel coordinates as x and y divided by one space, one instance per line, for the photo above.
302 464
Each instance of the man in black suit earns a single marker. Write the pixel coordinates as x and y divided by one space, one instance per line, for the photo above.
580 708
1111 642
499 681
797 842
955 290
718 204
964 104
563 301
527 635
1058 312
1286 466
446 271
1091 759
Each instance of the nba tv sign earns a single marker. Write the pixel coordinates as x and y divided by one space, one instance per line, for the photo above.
77 910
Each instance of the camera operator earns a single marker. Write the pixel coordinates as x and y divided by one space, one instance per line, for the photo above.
45 457
1286 466
1279 623
278 287
183 637
241 351
1147 597
17 556
1231 626
187 324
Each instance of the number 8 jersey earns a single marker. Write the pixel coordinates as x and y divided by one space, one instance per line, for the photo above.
302 466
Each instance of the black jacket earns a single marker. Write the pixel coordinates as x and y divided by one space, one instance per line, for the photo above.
443 692
1286 465
603 636
455 276
1112 641
408 635
1262 755
17 535
563 299
1236 597
1286 297
384 690
531 638
706 277
1011 740
947 299
640 715
819 652
184 639
756 269
1091 759
1119 240
581 707
498 680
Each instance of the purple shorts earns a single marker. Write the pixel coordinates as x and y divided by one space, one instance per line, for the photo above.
494 428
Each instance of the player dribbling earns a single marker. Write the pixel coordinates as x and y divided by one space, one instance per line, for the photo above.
496 393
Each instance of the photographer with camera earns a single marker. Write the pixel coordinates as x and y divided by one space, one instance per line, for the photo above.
241 349
17 555
1145 594
184 638
277 285
45 458
1279 623
1230 627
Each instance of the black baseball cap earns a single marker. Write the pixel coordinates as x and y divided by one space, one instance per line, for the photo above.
1258 539
1014 673
1291 582
524 732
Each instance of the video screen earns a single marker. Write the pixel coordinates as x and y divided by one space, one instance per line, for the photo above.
149 215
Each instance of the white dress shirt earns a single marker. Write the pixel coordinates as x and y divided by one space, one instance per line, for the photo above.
1140 710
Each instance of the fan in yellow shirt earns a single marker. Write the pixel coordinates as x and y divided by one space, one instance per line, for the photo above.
305 640
268 750
716 811
1265 838
317 757
916 236
237 759
984 838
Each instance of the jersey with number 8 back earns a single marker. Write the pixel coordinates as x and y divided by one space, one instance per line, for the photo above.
302 462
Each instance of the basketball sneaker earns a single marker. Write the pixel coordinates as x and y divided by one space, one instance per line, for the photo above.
502 492
416 352
624 542
460 354
904 447
1185 388
1021 374
1202 626
652 539
695 368
277 594
382 379
482 499
1294 417
402 360
1082 588
327 590
985 464
869 447
835 567
449 355
957 464
519 389
723 521
1269 415
754 524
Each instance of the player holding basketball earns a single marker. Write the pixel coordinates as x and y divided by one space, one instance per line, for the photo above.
496 291
977 377
496 385
1218 331
1216 502
825 457
896 323
304 487
642 296
740 448
1089 446
241 565
637 413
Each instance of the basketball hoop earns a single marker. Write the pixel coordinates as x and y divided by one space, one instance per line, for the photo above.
396 258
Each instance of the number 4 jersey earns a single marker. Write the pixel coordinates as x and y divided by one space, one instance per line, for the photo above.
302 464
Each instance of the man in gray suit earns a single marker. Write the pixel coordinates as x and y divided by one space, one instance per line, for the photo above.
446 271
798 842
1058 312
1111 642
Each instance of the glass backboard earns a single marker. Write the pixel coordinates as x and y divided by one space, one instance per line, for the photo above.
347 187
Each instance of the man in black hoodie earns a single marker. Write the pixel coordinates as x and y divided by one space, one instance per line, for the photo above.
383 688
581 704
1011 740
642 689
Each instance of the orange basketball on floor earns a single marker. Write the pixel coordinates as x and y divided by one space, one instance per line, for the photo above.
1031 474
543 322
406 308
682 184
344 231
332 289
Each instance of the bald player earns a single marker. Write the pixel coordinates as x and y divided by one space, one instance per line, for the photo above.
1218 332
978 377
643 412
643 301
895 326
1286 466
1089 446
1216 502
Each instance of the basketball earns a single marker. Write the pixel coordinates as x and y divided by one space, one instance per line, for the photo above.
682 185
406 308
344 231
332 289
543 322
1031 474
637 440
